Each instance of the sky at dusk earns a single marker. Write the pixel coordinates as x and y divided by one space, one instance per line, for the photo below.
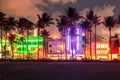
29 9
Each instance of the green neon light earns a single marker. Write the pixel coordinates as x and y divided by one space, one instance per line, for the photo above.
5 41
32 46
30 42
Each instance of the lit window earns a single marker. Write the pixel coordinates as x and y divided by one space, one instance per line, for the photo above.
98 45
98 52
102 45
106 45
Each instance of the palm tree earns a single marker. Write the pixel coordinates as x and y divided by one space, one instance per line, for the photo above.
94 21
21 29
72 16
11 23
44 21
62 25
45 35
2 23
89 17
39 26
12 40
85 26
110 22
5 30
27 25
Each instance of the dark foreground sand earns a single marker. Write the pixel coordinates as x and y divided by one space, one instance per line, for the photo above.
59 71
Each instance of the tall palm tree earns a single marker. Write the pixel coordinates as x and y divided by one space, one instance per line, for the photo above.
62 25
94 21
11 23
27 25
44 21
21 29
39 26
2 23
85 26
89 17
45 35
12 40
110 22
73 16
5 29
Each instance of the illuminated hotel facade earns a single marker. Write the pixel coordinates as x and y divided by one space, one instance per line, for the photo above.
32 48
29 48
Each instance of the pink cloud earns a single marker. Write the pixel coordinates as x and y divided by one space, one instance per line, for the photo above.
62 1
20 8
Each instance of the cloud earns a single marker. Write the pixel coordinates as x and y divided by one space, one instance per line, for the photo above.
62 1
39 2
107 10
20 8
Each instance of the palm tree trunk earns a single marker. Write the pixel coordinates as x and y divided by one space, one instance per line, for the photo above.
110 44
1 43
38 45
72 47
85 46
64 31
23 43
12 46
5 44
44 48
90 45
27 45
12 50
95 42
61 43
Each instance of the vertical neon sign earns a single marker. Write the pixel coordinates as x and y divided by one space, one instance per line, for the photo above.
73 42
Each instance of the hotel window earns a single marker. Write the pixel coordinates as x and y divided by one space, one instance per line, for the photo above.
50 45
106 45
102 45
102 52
98 51
98 45
106 52
50 51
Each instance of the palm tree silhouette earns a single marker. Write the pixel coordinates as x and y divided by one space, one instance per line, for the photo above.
2 23
26 25
85 26
21 29
12 40
94 21
62 24
110 22
45 35
72 15
44 21
11 23
89 17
